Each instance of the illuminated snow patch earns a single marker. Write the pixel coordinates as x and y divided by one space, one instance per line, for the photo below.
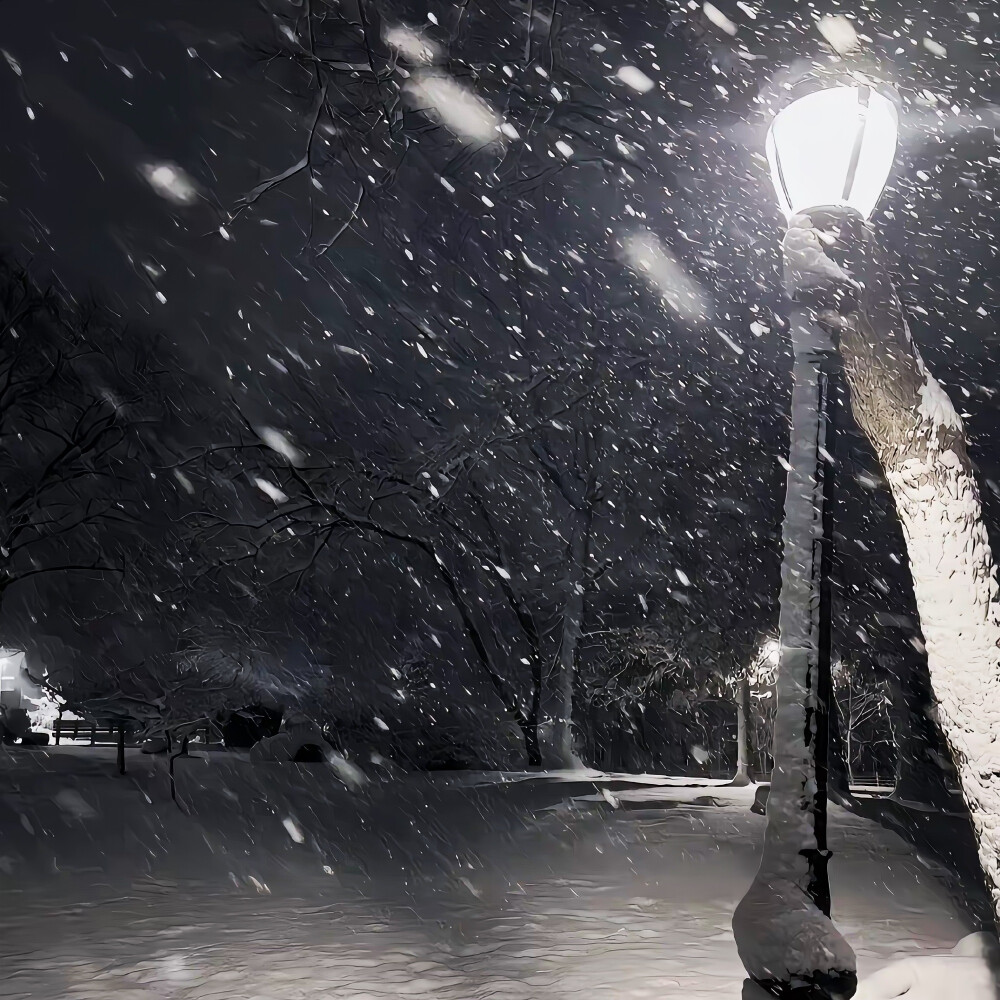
936 406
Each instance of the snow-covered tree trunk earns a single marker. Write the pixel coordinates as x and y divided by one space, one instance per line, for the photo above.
742 776
920 441
848 748
572 625
782 933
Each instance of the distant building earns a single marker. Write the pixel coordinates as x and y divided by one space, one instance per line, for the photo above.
15 687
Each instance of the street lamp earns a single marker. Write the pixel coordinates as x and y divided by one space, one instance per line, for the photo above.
830 147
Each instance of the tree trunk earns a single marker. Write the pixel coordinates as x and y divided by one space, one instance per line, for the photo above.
572 624
743 750
529 727
920 441
532 748
839 775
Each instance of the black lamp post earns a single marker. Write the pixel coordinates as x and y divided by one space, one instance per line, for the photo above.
830 147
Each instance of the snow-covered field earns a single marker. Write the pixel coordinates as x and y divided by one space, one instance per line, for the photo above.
281 884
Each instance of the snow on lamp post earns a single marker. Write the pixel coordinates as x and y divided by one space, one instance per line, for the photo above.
830 147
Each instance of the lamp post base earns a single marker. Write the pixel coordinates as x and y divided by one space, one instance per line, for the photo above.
829 986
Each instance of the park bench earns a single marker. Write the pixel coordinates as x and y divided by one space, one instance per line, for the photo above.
116 731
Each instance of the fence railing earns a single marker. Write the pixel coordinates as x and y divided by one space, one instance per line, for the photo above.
100 734
105 732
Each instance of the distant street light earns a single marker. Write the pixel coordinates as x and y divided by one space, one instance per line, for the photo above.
830 147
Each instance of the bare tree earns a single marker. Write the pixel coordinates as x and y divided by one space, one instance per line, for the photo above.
683 659
449 507
91 564
859 701
466 426
71 411
377 95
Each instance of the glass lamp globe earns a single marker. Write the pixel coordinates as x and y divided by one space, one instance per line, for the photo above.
833 146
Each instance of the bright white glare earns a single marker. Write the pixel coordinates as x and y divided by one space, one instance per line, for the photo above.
718 18
170 181
839 33
412 45
453 104
812 144
649 258
269 490
278 442
293 829
770 652
935 48
634 77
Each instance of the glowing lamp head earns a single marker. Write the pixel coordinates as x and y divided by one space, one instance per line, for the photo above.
832 145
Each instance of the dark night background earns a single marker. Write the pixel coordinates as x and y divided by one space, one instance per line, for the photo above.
394 411
402 336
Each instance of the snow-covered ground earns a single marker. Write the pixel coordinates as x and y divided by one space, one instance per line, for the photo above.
280 884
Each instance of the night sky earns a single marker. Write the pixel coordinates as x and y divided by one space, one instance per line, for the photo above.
335 348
